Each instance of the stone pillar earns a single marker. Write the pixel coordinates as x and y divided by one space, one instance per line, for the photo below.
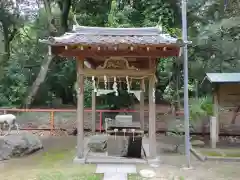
216 112
213 131
93 111
152 118
80 108
142 105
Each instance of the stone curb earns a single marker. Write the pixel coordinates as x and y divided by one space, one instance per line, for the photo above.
203 158
225 159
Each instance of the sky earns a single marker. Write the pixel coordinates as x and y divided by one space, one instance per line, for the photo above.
28 7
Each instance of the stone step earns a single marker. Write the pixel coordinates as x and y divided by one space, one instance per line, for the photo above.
115 176
116 168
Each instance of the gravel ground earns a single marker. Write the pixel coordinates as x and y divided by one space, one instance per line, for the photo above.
170 167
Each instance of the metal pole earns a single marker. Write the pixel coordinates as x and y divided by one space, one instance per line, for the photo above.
186 107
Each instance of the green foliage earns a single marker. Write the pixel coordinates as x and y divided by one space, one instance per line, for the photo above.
200 107
214 31
13 86
87 93
207 105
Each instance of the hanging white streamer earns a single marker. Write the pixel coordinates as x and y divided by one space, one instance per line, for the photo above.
128 86
115 86
94 84
105 82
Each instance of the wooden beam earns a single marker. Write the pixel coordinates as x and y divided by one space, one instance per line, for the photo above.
142 105
108 53
152 118
93 111
80 108
118 72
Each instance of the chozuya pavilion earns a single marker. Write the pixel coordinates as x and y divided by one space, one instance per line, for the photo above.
118 54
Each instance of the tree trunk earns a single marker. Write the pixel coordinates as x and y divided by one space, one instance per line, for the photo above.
6 55
39 80
8 36
64 6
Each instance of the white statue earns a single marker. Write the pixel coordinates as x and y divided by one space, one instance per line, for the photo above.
10 120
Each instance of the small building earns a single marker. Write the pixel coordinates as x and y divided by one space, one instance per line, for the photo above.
117 54
226 97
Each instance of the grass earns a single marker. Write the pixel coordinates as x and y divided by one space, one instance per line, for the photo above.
134 177
233 154
64 176
55 157
137 177
211 153
51 165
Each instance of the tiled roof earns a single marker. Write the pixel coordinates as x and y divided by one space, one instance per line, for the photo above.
223 77
113 36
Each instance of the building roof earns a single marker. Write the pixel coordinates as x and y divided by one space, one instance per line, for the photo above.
113 36
223 77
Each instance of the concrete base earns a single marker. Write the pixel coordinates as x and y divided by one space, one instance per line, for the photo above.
95 160
104 158
116 168
115 160
154 160
79 160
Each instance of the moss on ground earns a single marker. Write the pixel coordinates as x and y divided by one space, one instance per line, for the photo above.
58 175
221 153
211 153
134 177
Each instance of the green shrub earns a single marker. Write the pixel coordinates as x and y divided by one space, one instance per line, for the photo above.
200 107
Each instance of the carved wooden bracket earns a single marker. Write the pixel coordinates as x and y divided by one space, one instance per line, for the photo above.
116 63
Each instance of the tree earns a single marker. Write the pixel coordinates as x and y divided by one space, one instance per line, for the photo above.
213 29
64 7
10 22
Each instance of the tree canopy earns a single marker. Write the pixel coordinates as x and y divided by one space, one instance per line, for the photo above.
26 71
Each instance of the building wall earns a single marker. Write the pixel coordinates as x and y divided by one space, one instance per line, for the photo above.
229 95
229 99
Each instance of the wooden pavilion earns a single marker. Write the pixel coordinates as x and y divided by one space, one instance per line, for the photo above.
115 52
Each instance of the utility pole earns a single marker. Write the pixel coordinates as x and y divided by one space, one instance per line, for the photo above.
185 64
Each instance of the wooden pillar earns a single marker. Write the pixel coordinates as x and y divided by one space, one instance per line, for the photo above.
216 110
142 104
80 108
152 118
93 111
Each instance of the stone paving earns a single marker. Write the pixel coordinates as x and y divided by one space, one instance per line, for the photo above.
116 171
